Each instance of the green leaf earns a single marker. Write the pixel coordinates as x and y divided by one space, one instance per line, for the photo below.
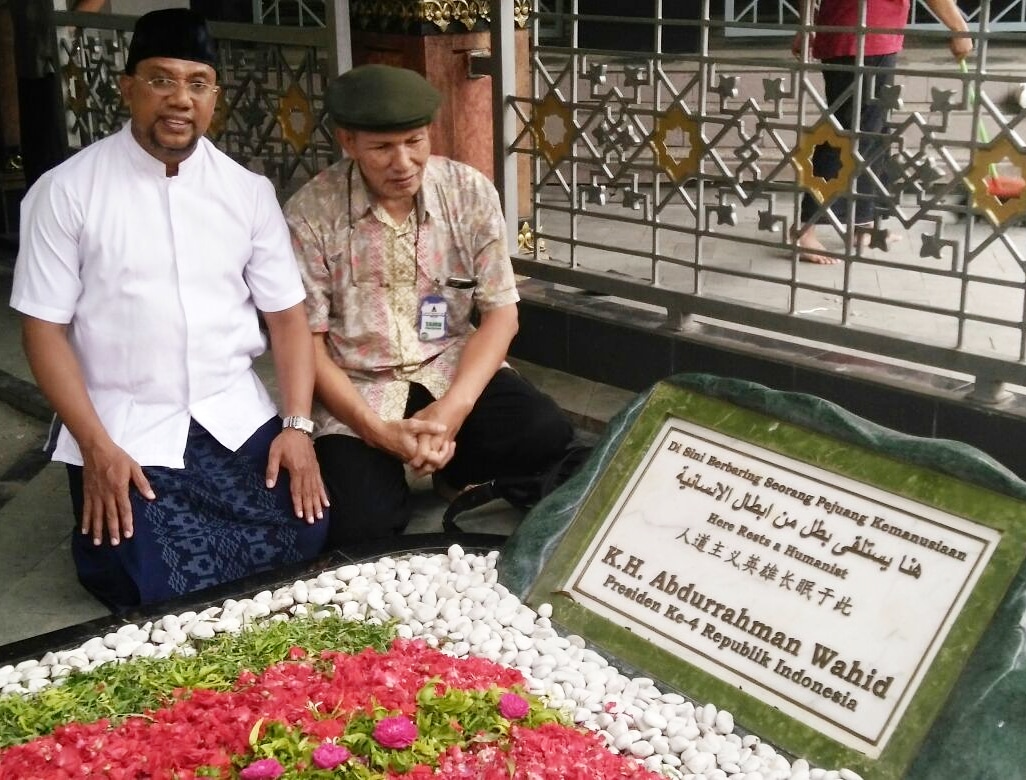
116 691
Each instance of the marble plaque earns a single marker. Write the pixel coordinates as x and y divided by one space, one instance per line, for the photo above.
823 596
825 580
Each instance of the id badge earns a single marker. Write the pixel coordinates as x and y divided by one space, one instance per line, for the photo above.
433 310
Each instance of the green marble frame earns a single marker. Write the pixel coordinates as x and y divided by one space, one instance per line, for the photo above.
970 501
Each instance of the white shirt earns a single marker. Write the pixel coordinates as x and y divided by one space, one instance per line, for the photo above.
160 279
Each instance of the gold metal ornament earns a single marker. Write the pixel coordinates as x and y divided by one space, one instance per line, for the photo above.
525 238
77 91
675 130
445 15
824 190
295 104
547 115
982 179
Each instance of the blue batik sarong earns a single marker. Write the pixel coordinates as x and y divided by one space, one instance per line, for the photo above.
212 522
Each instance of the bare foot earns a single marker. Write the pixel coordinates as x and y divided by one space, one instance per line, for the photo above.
811 250
866 240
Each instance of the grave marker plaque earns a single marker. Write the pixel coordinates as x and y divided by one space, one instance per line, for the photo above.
827 594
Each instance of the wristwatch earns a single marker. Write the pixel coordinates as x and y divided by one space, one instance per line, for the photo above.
303 424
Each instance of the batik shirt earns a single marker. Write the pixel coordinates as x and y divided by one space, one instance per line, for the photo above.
367 275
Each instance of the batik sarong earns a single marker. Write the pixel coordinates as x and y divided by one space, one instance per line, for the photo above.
212 522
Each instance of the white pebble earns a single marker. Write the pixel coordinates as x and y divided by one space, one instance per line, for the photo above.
652 763
700 762
641 749
347 572
228 625
320 596
724 723
202 631
257 609
126 648
654 720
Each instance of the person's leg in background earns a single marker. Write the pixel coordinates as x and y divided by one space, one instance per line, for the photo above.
826 161
873 143
839 88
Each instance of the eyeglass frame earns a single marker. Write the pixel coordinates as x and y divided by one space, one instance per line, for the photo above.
207 90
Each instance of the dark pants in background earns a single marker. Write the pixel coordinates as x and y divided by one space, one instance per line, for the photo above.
826 161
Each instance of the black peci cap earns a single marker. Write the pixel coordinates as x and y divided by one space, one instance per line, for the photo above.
178 33
382 98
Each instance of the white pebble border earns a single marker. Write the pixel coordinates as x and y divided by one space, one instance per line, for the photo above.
454 601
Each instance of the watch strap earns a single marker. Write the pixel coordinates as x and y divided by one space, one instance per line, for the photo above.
304 424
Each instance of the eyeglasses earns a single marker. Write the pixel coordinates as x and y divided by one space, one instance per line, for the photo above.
166 87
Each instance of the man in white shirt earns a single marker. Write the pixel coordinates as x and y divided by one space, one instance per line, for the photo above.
143 262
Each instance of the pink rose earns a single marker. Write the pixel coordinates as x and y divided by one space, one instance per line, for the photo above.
264 769
330 755
397 731
513 707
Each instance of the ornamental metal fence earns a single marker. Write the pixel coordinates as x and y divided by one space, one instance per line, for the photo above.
671 146
270 112
671 157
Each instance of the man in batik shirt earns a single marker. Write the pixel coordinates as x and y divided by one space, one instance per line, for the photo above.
396 248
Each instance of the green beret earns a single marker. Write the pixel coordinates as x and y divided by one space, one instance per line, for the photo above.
381 98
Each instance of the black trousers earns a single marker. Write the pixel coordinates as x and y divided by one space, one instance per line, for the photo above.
839 89
513 430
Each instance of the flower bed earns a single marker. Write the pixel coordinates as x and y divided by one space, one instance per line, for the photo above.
477 685
411 711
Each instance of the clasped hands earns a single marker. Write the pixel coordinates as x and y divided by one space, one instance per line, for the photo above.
426 442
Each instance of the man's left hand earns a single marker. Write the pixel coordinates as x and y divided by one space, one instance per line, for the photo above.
293 450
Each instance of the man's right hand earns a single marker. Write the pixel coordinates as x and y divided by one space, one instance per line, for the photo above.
961 47
107 473
405 440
